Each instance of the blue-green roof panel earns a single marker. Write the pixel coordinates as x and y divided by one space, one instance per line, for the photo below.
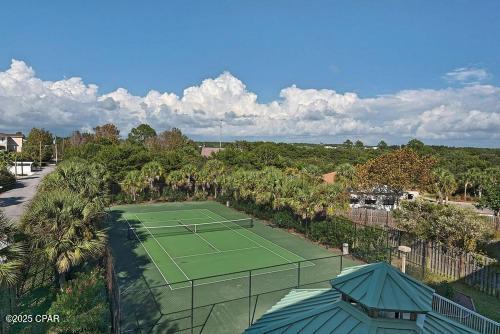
383 287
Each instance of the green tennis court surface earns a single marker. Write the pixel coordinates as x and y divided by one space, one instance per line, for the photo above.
194 243
172 256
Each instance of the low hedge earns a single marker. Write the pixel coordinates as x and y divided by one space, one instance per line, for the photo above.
7 180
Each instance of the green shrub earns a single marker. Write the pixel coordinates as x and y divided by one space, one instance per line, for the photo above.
7 180
82 305
200 196
285 219
171 195
444 288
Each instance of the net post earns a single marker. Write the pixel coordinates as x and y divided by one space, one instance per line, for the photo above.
298 274
192 306
249 297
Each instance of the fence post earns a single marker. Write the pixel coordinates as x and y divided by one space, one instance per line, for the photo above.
192 306
249 297
424 259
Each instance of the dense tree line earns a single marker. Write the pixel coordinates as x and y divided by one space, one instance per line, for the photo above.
269 176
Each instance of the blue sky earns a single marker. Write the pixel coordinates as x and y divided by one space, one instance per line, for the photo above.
370 48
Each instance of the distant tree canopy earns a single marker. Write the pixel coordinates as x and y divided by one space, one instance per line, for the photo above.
348 143
173 149
140 134
170 140
107 132
415 145
382 145
400 170
39 141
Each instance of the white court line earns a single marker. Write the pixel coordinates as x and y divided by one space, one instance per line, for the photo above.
208 242
239 277
162 211
255 242
289 251
182 271
158 268
226 251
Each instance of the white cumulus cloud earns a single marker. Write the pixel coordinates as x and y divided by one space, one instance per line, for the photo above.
466 115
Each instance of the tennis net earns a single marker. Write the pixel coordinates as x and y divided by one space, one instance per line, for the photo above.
181 228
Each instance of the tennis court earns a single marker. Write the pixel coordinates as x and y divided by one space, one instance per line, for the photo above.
202 267
192 243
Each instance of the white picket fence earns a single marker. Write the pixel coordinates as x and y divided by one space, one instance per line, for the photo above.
464 316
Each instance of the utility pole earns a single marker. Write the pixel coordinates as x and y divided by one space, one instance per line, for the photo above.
15 163
55 143
40 154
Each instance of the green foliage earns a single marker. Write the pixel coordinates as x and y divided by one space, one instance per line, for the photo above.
348 143
444 183
66 226
89 180
416 145
140 134
12 255
285 219
446 224
359 144
365 242
6 159
382 145
134 183
39 145
7 180
82 305
491 198
172 195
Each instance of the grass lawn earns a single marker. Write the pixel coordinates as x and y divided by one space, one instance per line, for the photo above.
486 305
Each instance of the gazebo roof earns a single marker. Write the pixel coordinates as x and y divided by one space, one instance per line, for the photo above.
322 311
312 312
383 287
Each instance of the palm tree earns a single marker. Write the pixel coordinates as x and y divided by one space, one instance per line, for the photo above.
211 174
65 225
468 179
189 171
133 183
346 174
152 173
11 254
77 175
175 179
445 184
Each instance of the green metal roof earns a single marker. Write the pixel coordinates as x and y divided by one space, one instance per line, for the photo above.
294 303
381 286
321 311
